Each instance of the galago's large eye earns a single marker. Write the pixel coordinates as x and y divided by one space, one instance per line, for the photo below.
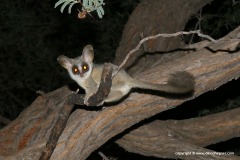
85 67
75 70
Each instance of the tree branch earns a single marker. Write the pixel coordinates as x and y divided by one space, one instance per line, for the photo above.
160 35
151 17
87 130
94 100
165 138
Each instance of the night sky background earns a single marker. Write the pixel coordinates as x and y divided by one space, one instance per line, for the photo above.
33 34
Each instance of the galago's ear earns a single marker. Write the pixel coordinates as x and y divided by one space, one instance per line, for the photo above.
88 53
64 61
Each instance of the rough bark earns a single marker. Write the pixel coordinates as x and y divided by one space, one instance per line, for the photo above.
166 138
93 100
87 130
152 17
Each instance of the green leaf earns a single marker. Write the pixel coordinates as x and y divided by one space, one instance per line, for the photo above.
64 5
88 5
59 2
100 12
85 2
96 4
70 6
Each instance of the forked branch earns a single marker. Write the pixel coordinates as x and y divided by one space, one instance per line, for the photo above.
73 99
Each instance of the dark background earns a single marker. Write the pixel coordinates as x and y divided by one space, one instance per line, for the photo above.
33 34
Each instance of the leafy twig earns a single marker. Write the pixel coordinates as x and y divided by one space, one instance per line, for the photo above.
87 6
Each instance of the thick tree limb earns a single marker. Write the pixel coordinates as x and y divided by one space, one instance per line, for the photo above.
57 130
88 130
165 138
157 36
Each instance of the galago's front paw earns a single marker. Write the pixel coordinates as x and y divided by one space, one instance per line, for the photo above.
100 104
86 100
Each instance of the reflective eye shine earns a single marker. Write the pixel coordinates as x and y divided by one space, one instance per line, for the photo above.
85 67
75 70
